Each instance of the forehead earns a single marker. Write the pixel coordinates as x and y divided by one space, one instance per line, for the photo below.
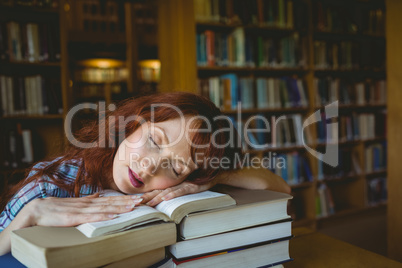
174 129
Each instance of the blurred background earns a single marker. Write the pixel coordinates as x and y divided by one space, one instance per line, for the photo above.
265 57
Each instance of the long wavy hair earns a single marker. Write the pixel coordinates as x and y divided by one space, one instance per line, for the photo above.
96 161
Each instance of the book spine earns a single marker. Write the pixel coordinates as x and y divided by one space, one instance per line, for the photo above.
10 97
3 94
210 47
39 94
27 144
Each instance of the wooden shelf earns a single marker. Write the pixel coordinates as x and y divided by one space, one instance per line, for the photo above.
28 14
229 26
340 178
94 37
33 117
358 71
268 111
376 139
227 69
377 173
345 36
354 142
357 106
31 64
277 149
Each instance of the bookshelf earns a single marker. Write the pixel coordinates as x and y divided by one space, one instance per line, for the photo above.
54 37
32 108
323 45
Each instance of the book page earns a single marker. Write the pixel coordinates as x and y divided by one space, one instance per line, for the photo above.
124 217
169 206
140 215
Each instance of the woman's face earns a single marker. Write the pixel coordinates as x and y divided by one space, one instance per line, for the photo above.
155 156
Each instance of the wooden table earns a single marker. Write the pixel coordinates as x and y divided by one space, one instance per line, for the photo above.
313 249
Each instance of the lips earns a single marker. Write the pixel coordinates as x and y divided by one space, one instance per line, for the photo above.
135 180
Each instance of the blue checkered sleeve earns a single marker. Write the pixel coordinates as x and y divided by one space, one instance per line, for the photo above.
41 188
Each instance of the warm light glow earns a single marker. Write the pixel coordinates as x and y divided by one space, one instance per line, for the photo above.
101 63
153 64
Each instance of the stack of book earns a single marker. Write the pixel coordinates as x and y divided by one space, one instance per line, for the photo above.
244 227
253 233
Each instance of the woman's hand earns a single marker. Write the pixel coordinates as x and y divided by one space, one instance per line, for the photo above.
156 196
53 211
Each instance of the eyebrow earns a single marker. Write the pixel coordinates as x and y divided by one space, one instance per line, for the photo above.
165 137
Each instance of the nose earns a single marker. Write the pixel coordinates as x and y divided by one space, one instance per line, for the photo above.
148 166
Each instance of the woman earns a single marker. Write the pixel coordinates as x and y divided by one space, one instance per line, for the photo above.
164 145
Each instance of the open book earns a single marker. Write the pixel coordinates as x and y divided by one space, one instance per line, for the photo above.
171 210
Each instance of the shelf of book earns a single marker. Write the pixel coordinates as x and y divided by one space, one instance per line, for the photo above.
37 70
359 83
356 71
31 110
205 70
340 178
353 142
200 25
281 149
88 37
21 64
382 172
268 111
33 117
345 36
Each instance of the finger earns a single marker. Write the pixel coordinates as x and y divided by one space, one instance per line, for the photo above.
71 219
114 200
107 209
95 195
158 197
184 190
96 208
150 195
85 201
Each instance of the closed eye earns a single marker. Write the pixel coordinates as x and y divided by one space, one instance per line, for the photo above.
174 170
153 142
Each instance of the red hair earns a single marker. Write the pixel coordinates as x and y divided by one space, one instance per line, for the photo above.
97 161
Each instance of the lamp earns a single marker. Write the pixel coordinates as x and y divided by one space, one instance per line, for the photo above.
149 70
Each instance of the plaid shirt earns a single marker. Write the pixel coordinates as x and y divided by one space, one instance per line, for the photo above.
41 189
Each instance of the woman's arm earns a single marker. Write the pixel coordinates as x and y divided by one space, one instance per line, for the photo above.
254 178
247 178
53 211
